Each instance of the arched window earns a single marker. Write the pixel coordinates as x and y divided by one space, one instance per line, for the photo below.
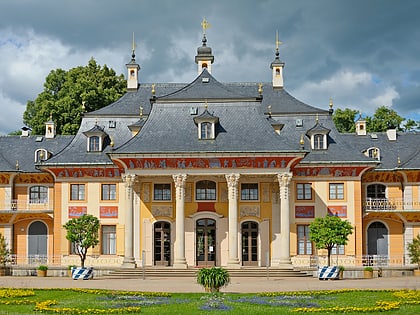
205 190
206 130
319 142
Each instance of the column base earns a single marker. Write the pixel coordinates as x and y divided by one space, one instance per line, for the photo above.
234 263
284 263
128 263
180 264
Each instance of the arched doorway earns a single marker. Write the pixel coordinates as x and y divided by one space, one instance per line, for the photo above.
162 243
378 242
249 231
205 248
37 242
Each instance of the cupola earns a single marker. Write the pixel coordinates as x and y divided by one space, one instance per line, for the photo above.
204 57
277 67
361 126
50 129
132 71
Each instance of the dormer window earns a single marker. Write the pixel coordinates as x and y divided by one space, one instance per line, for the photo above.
373 153
41 155
319 136
206 124
95 139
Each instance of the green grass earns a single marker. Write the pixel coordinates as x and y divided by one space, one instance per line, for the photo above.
84 301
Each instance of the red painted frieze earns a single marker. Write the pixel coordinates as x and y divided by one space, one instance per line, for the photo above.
335 171
77 172
108 212
190 163
77 211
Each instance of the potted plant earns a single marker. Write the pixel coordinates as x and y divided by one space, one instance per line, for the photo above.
70 269
340 272
414 253
326 233
4 255
83 232
368 272
42 270
212 279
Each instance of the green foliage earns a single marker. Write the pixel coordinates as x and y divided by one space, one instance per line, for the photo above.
83 232
42 267
212 279
4 251
383 119
344 120
65 91
414 251
368 269
329 231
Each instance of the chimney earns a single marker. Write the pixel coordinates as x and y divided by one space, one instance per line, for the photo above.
391 134
25 131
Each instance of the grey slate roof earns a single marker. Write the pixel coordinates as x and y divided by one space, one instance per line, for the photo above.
22 149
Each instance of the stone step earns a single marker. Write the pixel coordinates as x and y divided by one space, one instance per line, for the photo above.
192 272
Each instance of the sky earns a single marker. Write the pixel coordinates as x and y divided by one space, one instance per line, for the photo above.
361 53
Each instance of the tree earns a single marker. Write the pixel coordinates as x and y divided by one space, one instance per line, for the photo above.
4 251
414 251
344 120
383 119
410 125
65 92
328 232
83 233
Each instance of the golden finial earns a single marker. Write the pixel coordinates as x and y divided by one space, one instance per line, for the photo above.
112 142
278 43
260 88
83 106
269 110
302 141
317 118
205 104
133 43
331 103
141 111
205 25
399 161
17 164
153 89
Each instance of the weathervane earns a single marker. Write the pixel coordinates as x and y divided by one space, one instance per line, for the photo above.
278 43
205 25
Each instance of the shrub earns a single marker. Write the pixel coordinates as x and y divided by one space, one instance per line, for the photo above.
43 267
414 251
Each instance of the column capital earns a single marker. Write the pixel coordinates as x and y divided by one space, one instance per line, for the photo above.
179 180
128 179
232 182
284 179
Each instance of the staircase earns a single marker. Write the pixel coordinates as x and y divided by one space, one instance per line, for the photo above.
168 272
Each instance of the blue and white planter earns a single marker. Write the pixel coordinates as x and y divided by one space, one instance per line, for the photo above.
82 273
328 272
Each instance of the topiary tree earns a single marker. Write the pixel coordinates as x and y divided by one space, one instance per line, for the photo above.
212 279
4 251
414 251
328 232
83 232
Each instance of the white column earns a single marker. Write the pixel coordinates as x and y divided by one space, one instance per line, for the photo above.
232 182
179 244
284 251
129 261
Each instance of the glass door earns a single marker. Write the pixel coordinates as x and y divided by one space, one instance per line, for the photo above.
205 242
249 244
162 244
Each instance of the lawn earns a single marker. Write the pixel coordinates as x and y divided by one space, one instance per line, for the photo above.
87 301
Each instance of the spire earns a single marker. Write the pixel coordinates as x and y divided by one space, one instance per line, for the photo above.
132 69
204 57
277 65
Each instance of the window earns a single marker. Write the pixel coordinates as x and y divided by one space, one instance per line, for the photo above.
373 153
38 194
304 191
304 242
94 143
337 191
77 192
249 191
376 191
162 192
41 155
109 240
337 250
206 130
318 142
109 192
205 190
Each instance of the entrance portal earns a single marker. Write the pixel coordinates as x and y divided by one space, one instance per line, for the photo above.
37 243
249 243
162 243
205 242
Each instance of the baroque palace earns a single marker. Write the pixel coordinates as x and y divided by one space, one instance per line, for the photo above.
210 174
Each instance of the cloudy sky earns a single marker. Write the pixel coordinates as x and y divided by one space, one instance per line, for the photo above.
362 53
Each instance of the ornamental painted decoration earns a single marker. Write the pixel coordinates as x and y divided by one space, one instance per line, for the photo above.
304 212
214 163
108 212
338 211
78 172
77 211
335 171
